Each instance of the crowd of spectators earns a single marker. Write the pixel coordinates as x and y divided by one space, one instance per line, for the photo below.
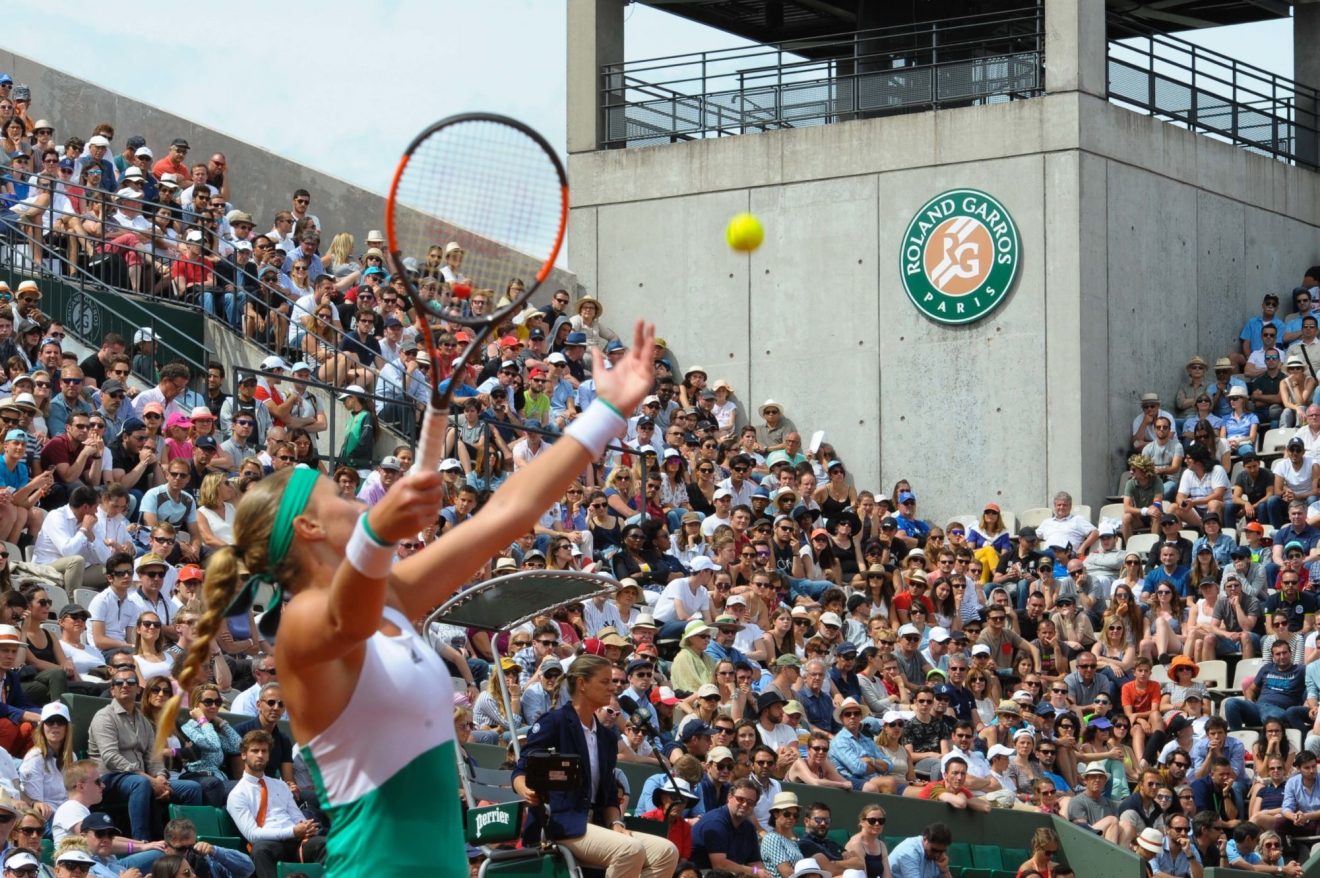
772 623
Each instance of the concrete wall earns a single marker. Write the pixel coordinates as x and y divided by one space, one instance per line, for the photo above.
1141 245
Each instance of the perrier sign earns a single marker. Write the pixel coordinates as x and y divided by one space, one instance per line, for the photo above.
960 256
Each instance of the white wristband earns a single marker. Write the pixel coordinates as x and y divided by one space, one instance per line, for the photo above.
596 426
367 556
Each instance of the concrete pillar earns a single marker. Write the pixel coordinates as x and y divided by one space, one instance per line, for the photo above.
595 38
1075 46
1306 71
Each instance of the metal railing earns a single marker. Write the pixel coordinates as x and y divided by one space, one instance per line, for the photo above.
930 65
1211 93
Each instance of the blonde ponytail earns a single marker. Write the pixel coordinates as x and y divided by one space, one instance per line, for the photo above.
226 571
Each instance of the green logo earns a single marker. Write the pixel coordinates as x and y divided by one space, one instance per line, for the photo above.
960 256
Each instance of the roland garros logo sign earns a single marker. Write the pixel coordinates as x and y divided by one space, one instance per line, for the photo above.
960 256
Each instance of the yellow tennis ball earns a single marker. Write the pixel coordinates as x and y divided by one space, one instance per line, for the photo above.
744 233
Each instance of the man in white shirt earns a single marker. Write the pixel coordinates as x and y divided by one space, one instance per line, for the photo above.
263 671
67 540
1310 433
748 638
82 783
113 615
148 597
770 725
687 597
737 484
281 834
721 515
1065 528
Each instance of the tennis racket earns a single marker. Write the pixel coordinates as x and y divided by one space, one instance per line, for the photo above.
495 187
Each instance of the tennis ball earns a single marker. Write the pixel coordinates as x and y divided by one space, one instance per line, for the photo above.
744 233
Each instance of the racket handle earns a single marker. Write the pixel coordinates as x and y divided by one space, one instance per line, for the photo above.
432 442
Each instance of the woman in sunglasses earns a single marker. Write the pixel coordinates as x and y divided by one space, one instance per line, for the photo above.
868 844
213 741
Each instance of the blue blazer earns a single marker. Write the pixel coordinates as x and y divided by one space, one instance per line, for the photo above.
570 812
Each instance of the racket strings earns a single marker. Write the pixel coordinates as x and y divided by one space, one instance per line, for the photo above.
491 189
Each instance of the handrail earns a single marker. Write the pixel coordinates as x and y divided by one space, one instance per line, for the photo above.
822 80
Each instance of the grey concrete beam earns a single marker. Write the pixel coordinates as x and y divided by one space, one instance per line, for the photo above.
1075 46
595 38
1306 71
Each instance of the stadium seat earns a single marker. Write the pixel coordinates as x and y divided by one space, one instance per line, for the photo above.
1189 535
1111 510
1295 739
1246 669
84 596
1159 674
1275 439
987 856
311 870
81 710
1009 519
58 600
1084 511
1248 737
213 825
1141 543
15 552
51 628
1035 515
647 827
1214 674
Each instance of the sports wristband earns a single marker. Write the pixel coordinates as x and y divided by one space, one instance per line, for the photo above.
366 553
596 426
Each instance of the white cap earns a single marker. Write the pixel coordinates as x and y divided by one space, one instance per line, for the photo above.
130 193
98 140
450 463
722 492
701 562
1023 696
735 599
980 649
351 390
832 619
940 635
242 245
301 366
808 866
1108 530
999 750
274 362
144 334
892 716
707 689
556 357
20 859
907 629
55 708
144 151
651 399
73 855
193 235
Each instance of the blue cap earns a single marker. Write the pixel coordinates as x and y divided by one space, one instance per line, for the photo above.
1044 709
760 492
576 339
613 346
66 164
373 270
16 436
132 425
906 496
943 690
205 442
695 730
6 79
637 664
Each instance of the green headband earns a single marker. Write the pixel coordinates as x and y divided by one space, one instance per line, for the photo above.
297 491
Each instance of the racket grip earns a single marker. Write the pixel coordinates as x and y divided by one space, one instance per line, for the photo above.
432 442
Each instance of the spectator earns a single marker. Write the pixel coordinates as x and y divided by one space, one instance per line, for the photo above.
122 740
816 842
267 815
922 856
1276 691
725 838
1216 792
42 771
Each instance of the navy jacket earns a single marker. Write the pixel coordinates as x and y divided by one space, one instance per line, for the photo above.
570 812
16 702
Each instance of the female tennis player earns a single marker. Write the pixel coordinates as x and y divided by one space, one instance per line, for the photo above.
370 703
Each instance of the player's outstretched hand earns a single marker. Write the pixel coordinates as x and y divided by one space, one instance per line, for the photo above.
632 378
408 507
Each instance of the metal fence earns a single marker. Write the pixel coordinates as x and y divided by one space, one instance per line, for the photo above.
1211 93
931 65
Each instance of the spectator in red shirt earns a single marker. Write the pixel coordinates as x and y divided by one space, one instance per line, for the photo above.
916 583
194 272
175 162
951 789
673 799
1141 703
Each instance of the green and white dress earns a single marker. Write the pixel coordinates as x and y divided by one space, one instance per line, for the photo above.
385 769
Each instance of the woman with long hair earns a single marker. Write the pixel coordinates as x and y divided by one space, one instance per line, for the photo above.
346 648
688 541
149 650
1165 620
606 528
867 841
673 487
1044 845
1122 739
54 670
215 511
781 638
620 491
489 714
1206 436
1098 745
979 685
816 559
580 817
1114 651
304 449
1295 392
689 391
42 771
705 473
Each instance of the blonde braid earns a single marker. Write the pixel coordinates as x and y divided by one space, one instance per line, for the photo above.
226 571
